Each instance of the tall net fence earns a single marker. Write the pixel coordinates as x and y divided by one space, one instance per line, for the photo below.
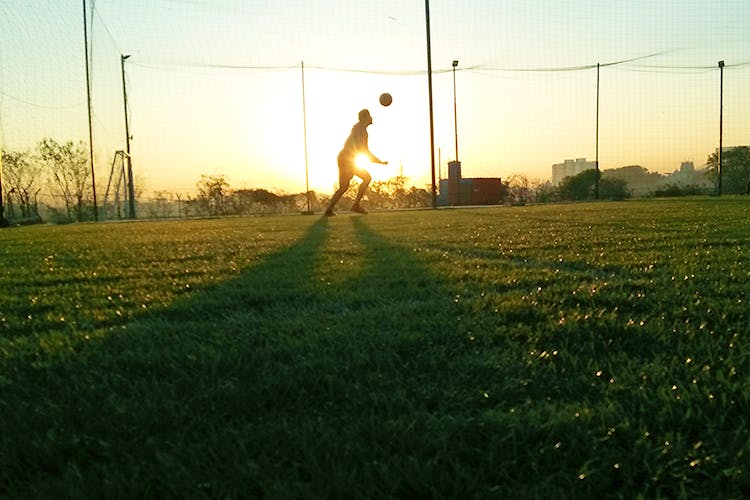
264 92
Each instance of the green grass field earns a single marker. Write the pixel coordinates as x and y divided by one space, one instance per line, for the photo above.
589 350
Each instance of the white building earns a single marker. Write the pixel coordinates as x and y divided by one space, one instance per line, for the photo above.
569 168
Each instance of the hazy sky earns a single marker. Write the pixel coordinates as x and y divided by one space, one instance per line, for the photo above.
215 86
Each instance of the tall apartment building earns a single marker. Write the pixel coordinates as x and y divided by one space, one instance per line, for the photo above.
570 168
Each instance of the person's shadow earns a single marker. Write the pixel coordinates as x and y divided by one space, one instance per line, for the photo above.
278 373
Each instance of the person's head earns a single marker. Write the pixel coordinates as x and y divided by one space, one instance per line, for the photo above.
364 117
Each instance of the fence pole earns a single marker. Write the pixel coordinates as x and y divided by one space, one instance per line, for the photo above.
88 105
721 119
429 85
596 188
3 221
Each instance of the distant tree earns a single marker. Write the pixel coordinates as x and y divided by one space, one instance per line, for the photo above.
160 205
417 198
613 189
673 190
545 193
212 192
243 201
69 175
521 189
21 175
390 193
265 197
396 193
583 187
735 170
579 187
638 180
215 197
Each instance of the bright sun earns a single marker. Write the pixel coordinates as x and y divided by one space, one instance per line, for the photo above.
362 161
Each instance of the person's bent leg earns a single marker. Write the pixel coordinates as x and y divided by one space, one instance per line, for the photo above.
366 179
344 179
336 197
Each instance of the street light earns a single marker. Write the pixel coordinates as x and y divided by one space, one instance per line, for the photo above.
455 115
131 190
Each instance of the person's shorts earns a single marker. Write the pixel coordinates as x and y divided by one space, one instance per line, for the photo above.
348 169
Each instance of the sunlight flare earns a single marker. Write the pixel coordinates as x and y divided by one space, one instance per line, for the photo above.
362 161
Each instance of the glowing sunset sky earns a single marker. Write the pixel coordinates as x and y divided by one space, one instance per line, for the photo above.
215 86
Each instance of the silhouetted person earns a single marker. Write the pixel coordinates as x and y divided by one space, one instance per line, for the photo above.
355 145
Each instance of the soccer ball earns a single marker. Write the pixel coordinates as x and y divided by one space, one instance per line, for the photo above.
386 99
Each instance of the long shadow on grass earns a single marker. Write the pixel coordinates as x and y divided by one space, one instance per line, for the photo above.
275 384
278 384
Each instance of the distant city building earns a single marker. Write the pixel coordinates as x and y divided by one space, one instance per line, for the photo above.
688 175
685 175
570 168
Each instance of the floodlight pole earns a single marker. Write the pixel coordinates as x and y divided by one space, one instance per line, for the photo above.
429 86
131 189
596 161
721 119
304 131
455 114
88 102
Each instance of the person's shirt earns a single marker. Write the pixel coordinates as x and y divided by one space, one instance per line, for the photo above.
357 143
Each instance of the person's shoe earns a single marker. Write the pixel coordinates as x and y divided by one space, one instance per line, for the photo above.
358 209
329 213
